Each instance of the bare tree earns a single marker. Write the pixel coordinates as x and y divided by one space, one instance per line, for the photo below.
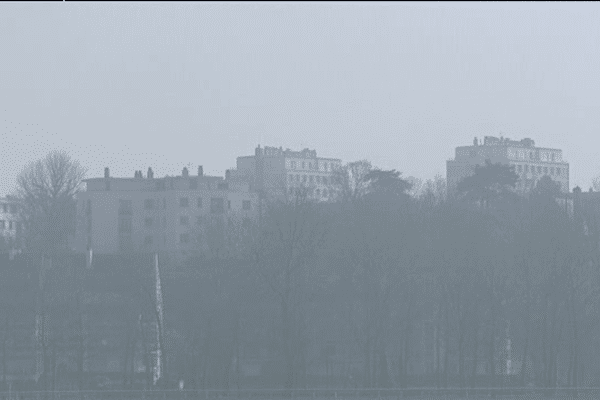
47 189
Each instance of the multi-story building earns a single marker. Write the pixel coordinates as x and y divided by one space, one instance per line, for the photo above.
10 223
530 162
278 173
158 214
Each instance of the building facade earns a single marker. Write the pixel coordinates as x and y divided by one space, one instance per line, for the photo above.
278 173
11 227
148 214
529 162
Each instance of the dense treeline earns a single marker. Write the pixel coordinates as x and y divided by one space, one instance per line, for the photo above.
380 289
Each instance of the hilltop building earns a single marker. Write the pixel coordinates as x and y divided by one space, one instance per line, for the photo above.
148 214
11 227
278 173
530 162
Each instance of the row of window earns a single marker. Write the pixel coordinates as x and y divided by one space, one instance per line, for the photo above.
184 238
317 192
11 225
311 165
216 204
533 169
310 179
12 207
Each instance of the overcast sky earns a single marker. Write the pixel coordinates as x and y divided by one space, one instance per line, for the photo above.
134 85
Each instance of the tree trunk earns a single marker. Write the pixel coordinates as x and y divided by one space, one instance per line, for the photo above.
447 344
475 352
4 349
127 356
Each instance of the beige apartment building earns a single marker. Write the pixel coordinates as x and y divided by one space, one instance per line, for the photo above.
530 162
278 173
10 222
148 214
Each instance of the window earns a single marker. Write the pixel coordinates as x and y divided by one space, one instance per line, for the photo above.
303 165
199 202
324 180
551 170
217 205
303 178
246 204
184 220
229 204
5 208
519 168
557 171
545 170
124 225
552 157
148 240
246 223
193 184
297 178
290 178
539 170
148 222
531 155
198 220
125 207
184 238
318 192
293 164
184 202
149 204
318 178
310 165
311 179
324 192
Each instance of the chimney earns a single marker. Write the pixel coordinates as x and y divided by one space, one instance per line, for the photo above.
106 173
185 172
475 141
150 173
227 174
200 171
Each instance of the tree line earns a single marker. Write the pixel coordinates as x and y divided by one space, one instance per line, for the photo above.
382 288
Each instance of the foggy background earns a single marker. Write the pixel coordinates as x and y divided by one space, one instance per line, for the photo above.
135 85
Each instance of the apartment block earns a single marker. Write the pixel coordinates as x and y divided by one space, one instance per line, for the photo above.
529 162
11 228
148 214
278 173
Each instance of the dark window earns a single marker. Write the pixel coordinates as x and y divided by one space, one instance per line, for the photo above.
539 170
311 179
10 225
13 209
557 171
149 204
519 168
246 203
184 238
148 222
125 207
183 202
125 225
199 202
183 220
309 165
293 164
5 208
552 157
2 224
551 170
526 167
217 205
545 170
303 165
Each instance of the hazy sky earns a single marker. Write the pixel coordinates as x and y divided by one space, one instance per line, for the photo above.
134 85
